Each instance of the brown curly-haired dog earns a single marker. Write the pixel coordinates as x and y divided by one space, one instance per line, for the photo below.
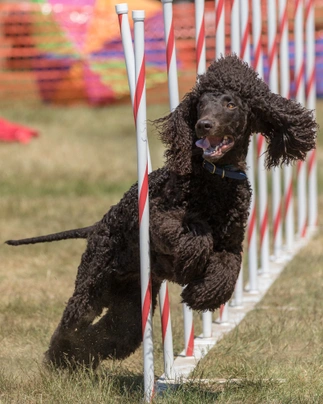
198 213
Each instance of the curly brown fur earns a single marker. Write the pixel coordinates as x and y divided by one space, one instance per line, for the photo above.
197 219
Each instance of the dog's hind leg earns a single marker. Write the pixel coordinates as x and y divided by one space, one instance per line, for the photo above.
119 332
69 343
92 290
116 334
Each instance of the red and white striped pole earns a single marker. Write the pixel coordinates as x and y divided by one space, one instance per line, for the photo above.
143 202
173 102
244 53
235 27
273 84
220 50
200 36
261 146
188 331
300 97
170 54
252 241
311 104
166 331
252 232
285 92
245 31
235 48
219 28
201 68
122 11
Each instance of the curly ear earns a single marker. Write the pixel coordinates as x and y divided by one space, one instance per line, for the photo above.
177 132
289 128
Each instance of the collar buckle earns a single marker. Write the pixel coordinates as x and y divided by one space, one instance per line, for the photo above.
206 164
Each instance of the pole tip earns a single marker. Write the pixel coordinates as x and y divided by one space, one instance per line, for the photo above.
122 8
138 15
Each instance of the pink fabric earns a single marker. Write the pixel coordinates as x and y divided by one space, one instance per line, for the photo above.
73 16
12 132
97 92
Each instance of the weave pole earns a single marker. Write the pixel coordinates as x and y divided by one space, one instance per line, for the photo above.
252 242
143 202
125 32
170 54
273 84
126 38
166 331
122 11
219 28
220 50
300 97
311 104
173 102
188 330
261 147
200 69
243 49
235 47
200 36
285 92
235 27
187 312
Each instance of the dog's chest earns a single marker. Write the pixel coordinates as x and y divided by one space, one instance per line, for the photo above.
220 202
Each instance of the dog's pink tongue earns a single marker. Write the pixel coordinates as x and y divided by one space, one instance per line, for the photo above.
203 143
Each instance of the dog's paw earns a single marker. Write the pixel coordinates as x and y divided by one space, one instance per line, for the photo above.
197 298
216 286
191 256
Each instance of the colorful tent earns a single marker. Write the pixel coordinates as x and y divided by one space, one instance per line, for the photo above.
76 50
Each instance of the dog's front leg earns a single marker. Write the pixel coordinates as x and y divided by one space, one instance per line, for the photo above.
189 243
217 284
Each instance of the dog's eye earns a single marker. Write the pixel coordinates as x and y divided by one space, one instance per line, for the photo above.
231 105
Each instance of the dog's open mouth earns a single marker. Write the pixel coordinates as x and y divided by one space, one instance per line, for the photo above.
215 146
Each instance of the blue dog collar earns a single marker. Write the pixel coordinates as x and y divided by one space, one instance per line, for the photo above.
224 171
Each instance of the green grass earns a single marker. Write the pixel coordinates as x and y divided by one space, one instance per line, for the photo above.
280 340
82 162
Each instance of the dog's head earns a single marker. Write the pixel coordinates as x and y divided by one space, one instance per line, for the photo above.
221 123
217 117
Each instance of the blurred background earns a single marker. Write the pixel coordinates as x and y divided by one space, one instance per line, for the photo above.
67 51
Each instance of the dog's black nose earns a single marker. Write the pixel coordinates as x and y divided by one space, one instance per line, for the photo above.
204 125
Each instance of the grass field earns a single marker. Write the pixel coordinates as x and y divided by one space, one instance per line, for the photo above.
82 162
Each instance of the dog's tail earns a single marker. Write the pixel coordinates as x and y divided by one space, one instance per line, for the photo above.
63 235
